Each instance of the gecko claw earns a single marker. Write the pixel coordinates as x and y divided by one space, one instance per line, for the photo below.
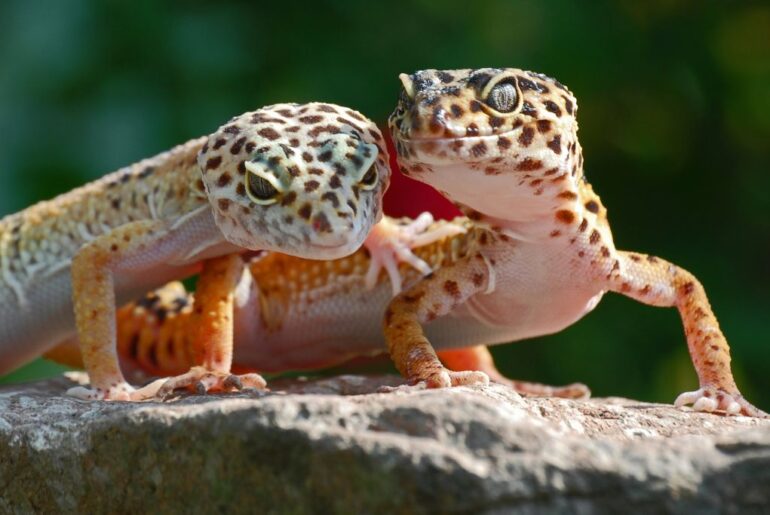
203 381
391 242
233 382
710 399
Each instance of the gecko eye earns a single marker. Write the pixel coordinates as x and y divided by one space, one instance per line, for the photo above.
369 180
503 97
260 190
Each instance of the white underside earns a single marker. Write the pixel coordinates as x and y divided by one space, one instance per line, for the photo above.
345 320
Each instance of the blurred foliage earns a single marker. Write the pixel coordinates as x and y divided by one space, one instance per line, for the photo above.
674 115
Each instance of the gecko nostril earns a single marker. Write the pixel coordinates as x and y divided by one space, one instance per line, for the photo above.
321 223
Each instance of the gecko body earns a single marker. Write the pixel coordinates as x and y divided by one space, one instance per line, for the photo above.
302 179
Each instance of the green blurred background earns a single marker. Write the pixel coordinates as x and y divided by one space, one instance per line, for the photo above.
674 120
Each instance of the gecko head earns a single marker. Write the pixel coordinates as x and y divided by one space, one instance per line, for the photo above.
302 179
484 122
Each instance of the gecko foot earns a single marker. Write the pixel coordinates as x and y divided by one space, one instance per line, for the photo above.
710 398
118 392
441 379
391 242
444 378
202 381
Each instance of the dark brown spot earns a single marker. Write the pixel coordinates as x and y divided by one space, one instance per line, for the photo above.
289 198
478 279
529 164
605 251
565 216
311 185
305 211
224 180
568 105
543 126
223 204
555 144
330 196
311 119
551 106
479 149
457 111
307 157
496 122
213 163
555 233
525 138
452 288
240 189
472 130
687 288
595 237
568 195
236 147
652 259
474 106
232 129
269 133
325 156
335 182
592 206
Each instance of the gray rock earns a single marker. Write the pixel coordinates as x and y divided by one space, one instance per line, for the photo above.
337 446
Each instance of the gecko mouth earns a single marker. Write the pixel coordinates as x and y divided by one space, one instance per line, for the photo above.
444 140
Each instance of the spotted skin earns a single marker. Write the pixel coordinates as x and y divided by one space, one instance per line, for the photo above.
322 170
502 144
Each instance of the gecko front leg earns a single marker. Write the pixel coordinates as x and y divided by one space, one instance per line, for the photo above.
93 292
212 322
656 282
432 297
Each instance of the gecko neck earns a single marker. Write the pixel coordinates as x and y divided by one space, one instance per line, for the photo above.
521 205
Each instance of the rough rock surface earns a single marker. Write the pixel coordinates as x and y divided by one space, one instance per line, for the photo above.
334 446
